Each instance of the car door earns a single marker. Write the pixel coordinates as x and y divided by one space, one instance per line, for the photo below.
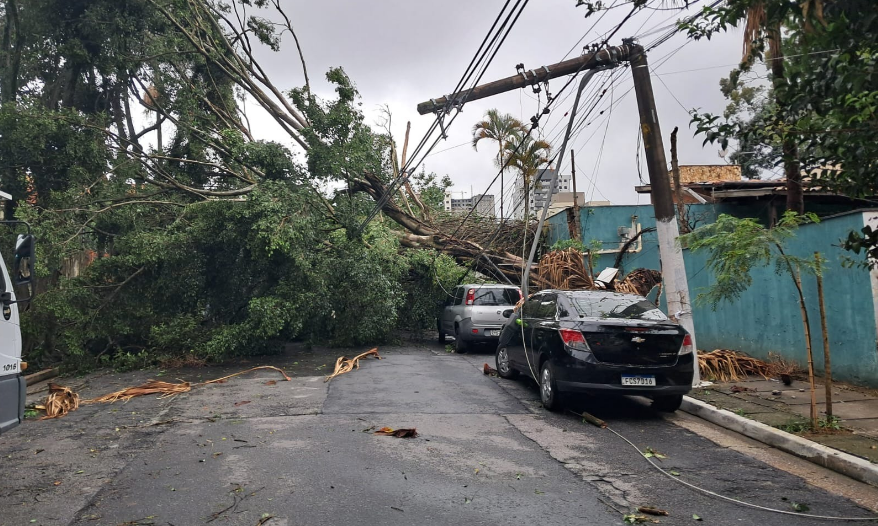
446 316
544 326
527 317
454 311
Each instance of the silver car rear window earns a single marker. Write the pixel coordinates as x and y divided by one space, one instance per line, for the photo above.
495 297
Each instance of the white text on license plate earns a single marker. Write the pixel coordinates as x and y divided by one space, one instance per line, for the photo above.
647 381
493 333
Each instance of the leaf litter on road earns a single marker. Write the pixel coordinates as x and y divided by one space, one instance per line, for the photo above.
650 452
398 433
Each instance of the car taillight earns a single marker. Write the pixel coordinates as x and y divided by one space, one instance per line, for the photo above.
470 296
687 347
520 295
573 339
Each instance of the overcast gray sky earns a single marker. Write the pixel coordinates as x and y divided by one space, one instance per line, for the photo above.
402 52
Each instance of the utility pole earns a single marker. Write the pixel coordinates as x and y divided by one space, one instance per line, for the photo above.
670 252
678 188
577 234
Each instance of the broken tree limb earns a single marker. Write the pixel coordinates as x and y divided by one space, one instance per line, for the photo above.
344 365
39 376
593 420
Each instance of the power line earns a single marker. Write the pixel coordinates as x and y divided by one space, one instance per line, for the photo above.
479 57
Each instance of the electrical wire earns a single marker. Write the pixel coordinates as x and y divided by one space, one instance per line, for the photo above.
731 499
479 57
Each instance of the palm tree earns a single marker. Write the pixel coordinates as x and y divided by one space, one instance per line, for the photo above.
502 129
528 158
761 29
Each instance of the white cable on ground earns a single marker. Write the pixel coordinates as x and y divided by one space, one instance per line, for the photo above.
736 501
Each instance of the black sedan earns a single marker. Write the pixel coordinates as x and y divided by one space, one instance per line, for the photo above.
597 342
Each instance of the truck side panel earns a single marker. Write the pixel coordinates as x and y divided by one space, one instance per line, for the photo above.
13 391
12 385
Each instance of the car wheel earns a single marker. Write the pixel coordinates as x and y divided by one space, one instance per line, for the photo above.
667 404
549 394
460 346
504 368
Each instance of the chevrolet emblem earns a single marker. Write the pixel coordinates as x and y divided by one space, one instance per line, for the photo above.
638 339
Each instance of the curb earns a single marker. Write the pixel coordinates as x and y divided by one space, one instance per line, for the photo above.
838 461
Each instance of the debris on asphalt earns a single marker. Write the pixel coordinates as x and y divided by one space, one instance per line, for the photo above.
633 518
696 517
650 452
169 389
61 400
489 371
740 389
775 393
398 433
650 510
343 365
165 389
593 420
242 402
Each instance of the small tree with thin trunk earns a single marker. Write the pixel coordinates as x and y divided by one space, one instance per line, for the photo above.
736 246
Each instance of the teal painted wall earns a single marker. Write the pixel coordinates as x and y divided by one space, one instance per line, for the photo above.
766 318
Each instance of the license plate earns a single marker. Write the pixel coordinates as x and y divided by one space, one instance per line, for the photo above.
494 333
639 381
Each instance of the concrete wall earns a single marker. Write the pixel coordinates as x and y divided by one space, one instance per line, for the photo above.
766 318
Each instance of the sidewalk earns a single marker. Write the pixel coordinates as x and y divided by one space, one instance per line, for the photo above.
856 408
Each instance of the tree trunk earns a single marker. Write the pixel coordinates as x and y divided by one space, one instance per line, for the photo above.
792 170
807 326
827 362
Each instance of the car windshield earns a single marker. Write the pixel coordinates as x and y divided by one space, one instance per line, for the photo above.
495 297
623 307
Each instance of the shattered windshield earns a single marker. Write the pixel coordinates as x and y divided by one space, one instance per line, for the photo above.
624 307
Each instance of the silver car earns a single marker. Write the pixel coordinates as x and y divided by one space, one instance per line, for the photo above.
475 314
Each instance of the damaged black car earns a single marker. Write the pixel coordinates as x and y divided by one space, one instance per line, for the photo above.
597 342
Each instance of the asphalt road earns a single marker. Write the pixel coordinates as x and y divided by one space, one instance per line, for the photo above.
302 453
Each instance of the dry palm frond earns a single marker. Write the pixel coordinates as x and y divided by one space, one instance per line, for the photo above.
344 365
168 389
165 389
780 366
639 281
565 270
224 378
61 400
723 365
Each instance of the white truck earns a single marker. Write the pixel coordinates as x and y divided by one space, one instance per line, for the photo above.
12 383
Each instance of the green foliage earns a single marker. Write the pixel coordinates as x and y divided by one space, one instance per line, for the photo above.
737 245
431 189
205 244
428 278
826 103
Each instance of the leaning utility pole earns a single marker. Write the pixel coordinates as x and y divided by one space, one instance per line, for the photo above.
670 252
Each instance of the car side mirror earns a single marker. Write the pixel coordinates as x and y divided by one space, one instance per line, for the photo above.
6 298
508 313
24 259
